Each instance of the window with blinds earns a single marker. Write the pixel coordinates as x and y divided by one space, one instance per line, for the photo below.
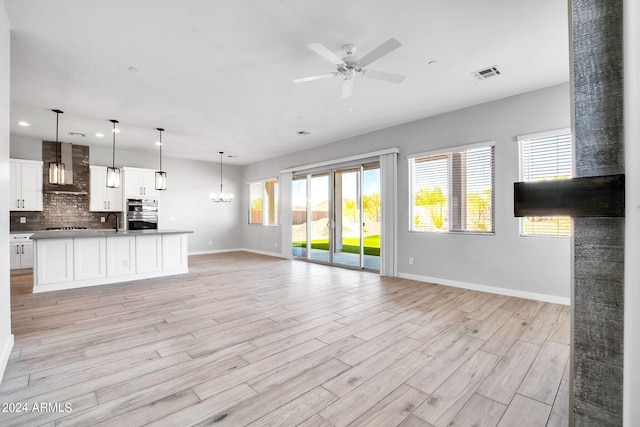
453 191
545 156
263 207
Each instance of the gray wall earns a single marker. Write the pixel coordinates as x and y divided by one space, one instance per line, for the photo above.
5 307
537 266
185 205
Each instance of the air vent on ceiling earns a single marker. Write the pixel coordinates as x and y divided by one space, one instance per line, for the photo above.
486 73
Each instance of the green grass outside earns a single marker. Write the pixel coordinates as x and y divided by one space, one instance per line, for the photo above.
349 245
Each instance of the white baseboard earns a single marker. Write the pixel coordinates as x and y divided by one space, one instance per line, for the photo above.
216 251
255 251
4 356
484 288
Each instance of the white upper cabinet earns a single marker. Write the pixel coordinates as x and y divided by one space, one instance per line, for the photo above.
140 183
26 185
101 197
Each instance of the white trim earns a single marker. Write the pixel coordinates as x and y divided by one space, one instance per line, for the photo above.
274 178
545 134
215 251
484 288
341 160
452 149
108 280
273 254
25 161
4 356
631 352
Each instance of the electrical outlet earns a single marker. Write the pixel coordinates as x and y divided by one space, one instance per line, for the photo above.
23 220
103 219
410 261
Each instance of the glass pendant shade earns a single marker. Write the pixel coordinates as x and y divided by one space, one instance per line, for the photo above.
56 173
161 180
113 173
113 177
56 169
221 196
161 176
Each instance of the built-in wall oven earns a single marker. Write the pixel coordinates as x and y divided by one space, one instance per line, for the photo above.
142 214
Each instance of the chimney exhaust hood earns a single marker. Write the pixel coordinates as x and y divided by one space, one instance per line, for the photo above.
66 157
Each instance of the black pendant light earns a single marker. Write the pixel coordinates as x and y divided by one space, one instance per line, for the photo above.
56 169
161 176
113 173
221 197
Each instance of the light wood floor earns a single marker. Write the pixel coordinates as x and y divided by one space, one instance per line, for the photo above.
245 339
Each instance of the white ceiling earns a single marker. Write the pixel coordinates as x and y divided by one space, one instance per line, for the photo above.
217 75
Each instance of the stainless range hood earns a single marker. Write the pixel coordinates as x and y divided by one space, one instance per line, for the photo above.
66 156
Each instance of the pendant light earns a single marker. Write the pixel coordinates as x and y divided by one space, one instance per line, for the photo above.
113 173
56 169
221 197
161 177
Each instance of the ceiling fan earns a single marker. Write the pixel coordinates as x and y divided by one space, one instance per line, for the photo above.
350 66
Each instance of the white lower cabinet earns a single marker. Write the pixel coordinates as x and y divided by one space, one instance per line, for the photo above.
99 259
21 255
174 251
54 262
148 253
89 258
121 256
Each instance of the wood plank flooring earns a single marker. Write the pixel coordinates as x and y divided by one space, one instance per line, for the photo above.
250 340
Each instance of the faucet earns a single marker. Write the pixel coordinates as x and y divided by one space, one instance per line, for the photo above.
115 215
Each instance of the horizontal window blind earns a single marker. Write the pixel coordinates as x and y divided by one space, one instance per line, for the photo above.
547 157
453 191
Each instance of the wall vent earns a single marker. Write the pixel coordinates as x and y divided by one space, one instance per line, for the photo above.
486 73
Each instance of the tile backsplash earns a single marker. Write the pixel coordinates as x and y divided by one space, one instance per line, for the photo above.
63 210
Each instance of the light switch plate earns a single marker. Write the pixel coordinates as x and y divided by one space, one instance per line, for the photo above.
23 220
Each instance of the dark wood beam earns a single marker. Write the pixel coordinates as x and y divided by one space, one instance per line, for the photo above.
598 196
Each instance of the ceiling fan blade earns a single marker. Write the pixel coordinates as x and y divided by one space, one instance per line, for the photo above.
325 53
377 53
347 87
381 75
317 77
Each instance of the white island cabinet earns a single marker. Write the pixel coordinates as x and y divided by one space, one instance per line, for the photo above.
74 259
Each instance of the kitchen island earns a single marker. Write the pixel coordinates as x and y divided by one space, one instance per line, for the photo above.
79 258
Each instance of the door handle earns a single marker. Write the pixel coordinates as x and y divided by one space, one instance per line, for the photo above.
109 205
17 250
23 249
17 203
22 203
104 205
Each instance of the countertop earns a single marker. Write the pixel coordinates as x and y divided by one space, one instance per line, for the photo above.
72 234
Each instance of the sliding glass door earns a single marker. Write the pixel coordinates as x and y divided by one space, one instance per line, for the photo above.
336 217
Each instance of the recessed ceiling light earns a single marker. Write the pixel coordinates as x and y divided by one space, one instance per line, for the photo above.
99 135
23 123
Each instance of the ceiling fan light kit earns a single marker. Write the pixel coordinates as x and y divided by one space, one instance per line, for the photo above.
350 66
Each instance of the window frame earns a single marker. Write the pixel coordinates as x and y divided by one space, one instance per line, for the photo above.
521 139
264 197
448 152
